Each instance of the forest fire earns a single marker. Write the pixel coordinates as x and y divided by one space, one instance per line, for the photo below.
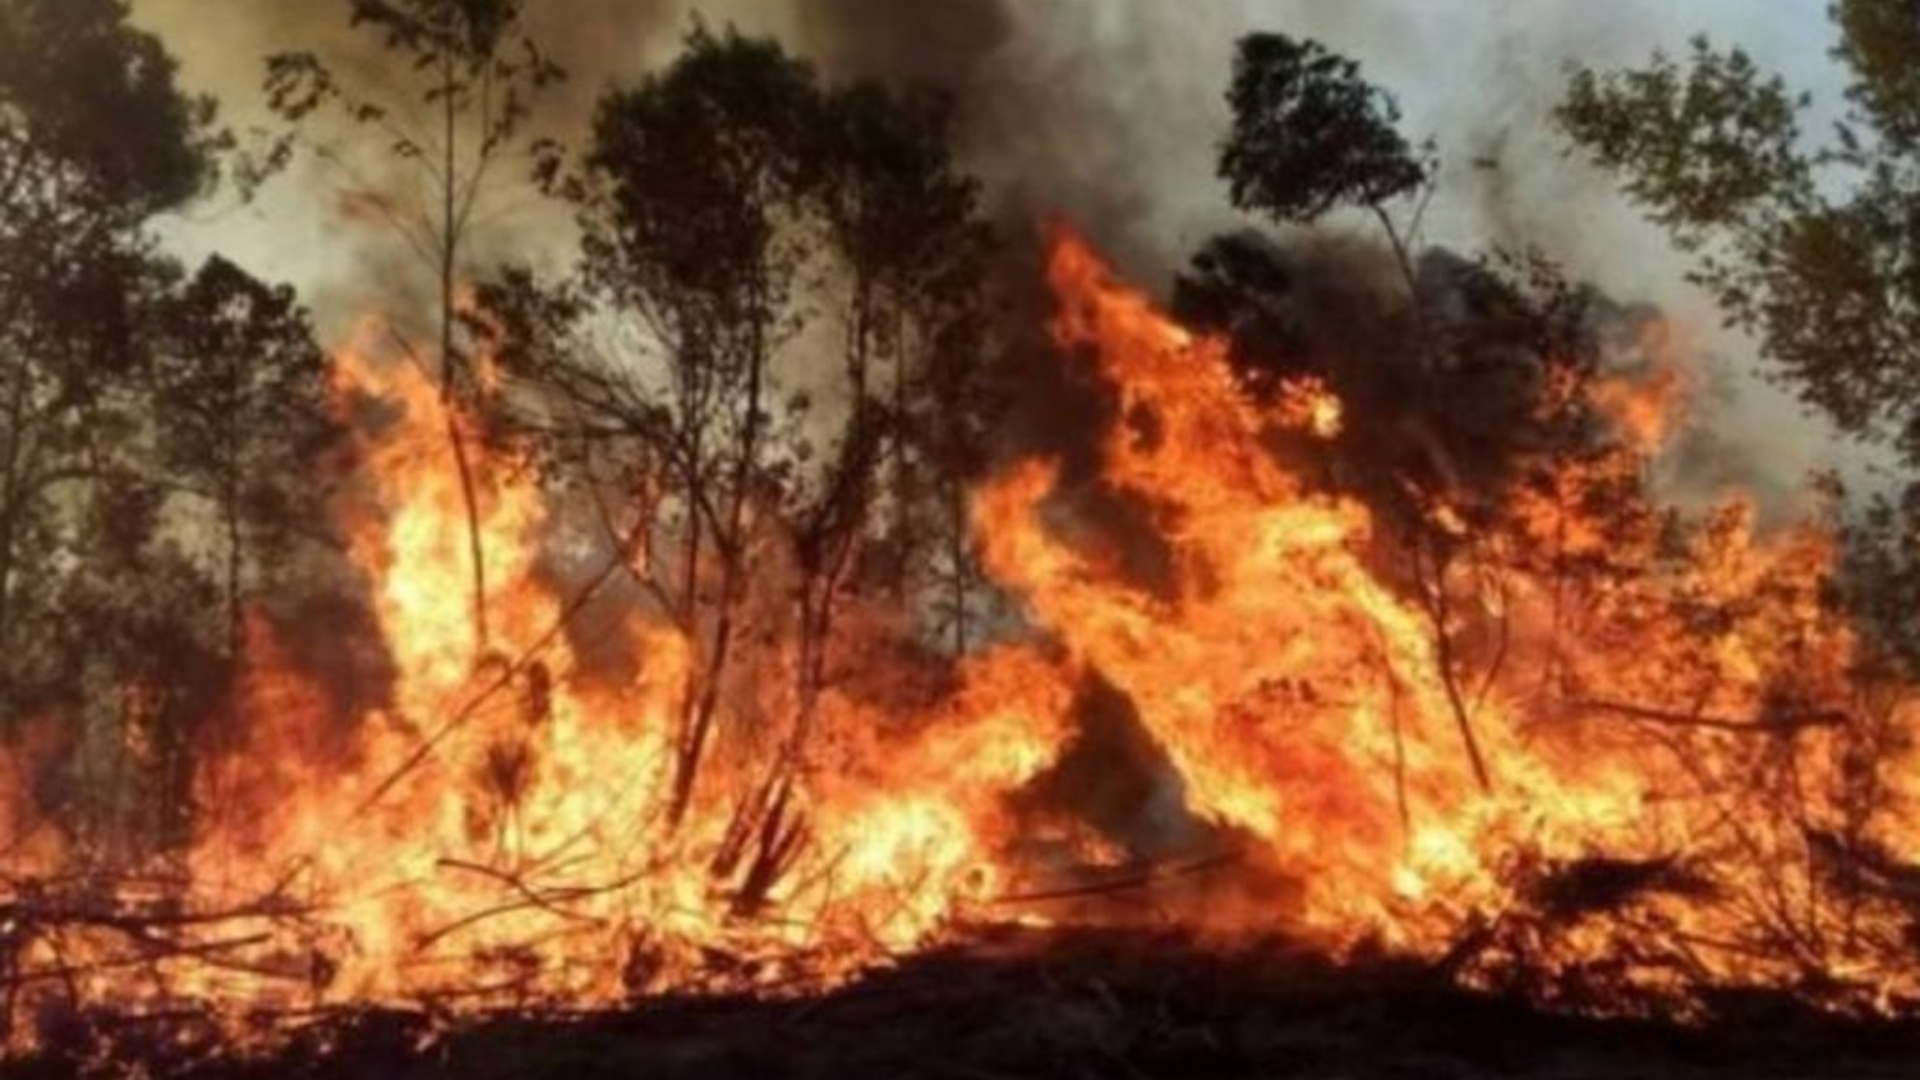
1621 789
716 593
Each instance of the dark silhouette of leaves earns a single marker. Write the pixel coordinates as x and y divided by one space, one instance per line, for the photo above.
1309 134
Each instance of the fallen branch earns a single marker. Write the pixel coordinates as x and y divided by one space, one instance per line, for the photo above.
1134 878
1782 724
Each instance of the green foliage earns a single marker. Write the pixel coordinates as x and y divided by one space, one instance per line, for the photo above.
1880 574
1708 146
1310 135
1879 42
1814 248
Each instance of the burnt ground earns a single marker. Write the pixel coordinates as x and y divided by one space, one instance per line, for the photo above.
1084 1006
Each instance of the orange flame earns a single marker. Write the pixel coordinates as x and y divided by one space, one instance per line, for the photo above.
1679 713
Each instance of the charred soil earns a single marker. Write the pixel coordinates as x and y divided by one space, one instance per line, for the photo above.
1019 1004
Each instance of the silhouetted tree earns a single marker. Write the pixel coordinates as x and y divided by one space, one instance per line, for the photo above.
1310 135
904 223
739 221
472 76
138 677
240 395
1880 573
1453 419
692 180
1441 393
92 113
1812 246
952 412
95 139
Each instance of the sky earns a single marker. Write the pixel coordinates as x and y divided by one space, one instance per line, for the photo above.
1109 112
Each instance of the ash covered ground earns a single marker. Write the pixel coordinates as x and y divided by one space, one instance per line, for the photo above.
1020 1004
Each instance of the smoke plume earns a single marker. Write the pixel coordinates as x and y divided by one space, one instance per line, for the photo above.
1107 114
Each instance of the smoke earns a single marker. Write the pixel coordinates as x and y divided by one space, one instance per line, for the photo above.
1110 115
1107 114
323 225
950 45
222 43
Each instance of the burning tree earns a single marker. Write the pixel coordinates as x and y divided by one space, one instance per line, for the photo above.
710 199
241 410
1419 663
98 607
477 73
1808 245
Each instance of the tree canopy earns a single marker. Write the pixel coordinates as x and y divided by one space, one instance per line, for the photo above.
80 86
1310 133
1811 244
772 332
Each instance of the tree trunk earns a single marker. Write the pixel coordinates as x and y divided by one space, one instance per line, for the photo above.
10 511
235 421
698 727
905 540
959 555
449 267
731 547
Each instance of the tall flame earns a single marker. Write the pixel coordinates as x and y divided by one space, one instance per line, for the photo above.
1675 725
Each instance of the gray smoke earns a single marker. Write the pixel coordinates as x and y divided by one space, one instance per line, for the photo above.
949 44
315 226
1108 113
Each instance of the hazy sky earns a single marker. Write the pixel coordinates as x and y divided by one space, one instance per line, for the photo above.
1109 111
